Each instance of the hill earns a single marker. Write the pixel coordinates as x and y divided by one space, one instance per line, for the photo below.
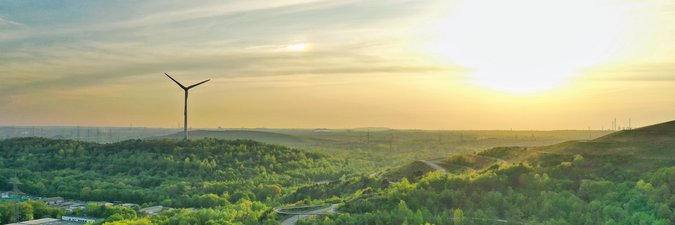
410 171
654 141
261 136
637 150
654 133
200 173
621 178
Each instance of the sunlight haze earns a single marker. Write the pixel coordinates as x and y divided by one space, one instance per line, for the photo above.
466 64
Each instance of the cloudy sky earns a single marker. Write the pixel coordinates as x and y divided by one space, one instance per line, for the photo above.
483 64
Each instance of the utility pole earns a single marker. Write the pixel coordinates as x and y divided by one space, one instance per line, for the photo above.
439 137
14 181
391 143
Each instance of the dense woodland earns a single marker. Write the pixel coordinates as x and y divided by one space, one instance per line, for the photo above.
376 148
627 178
240 176
519 194
623 178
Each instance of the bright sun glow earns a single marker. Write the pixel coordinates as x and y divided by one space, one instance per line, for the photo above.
299 47
525 46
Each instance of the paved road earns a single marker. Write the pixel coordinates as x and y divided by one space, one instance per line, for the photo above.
294 219
433 165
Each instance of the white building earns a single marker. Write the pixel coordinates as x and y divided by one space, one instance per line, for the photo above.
153 210
37 222
52 200
79 219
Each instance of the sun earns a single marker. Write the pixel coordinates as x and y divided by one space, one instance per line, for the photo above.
525 46
298 47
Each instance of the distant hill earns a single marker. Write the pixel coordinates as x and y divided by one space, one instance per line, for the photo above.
621 178
261 136
638 150
654 133
655 141
372 129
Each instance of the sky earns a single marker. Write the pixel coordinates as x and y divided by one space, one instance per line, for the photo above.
407 64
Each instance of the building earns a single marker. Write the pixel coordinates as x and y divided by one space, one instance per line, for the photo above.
321 130
130 205
72 205
82 219
5 195
47 221
38 221
52 200
153 210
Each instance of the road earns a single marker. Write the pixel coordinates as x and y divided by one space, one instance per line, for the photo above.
294 219
433 165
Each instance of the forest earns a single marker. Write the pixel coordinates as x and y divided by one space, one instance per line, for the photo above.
622 178
243 178
518 194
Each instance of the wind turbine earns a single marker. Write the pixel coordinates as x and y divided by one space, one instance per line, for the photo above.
186 89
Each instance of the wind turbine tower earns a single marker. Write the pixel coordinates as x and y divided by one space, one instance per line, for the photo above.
185 112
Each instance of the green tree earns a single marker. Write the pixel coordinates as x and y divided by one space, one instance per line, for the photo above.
458 217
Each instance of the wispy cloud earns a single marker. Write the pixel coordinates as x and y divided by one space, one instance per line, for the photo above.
51 47
664 71
237 38
63 68
9 29
6 22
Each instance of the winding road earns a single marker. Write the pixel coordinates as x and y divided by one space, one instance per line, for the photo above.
327 210
432 163
301 215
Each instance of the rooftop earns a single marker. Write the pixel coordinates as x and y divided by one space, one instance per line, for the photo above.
46 221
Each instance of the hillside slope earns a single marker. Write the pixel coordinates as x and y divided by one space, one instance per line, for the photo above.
200 173
653 133
656 141
623 178
637 150
261 136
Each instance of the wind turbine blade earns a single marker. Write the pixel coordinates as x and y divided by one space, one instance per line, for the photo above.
197 84
174 80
